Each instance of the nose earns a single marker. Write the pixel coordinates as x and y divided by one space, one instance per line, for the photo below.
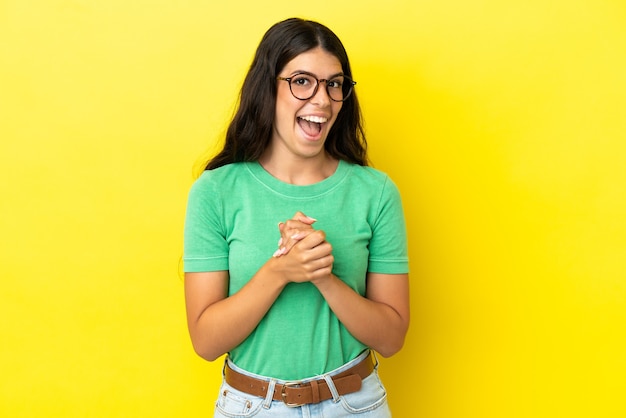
321 97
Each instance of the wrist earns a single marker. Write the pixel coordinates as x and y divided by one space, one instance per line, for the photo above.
325 282
276 273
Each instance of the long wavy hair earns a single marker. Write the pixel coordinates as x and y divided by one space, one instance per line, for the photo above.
250 130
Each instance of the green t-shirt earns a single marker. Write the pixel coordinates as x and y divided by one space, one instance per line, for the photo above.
232 224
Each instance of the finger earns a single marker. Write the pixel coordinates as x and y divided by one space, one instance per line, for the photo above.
284 245
292 240
318 267
299 216
291 225
293 230
324 265
312 240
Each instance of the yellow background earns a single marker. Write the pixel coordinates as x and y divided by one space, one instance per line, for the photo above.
502 122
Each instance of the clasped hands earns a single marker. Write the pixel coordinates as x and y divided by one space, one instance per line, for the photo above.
306 253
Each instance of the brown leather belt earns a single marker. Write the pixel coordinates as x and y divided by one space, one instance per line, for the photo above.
298 393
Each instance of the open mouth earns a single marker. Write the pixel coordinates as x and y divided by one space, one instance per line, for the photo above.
311 125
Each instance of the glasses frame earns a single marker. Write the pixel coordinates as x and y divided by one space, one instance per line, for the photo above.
346 78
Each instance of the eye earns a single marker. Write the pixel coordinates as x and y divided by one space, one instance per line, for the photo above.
302 80
335 84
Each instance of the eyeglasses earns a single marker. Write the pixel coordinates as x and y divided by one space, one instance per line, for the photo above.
303 86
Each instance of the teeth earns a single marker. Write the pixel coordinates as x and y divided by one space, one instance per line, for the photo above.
316 119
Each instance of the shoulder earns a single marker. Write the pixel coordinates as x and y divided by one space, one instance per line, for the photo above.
218 177
216 183
370 173
221 173
370 177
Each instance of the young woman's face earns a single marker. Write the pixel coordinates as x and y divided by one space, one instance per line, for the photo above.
301 126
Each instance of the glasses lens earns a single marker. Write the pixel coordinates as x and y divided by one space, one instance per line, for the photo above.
339 88
303 86
348 86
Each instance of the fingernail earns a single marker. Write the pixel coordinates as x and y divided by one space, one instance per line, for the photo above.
313 219
276 253
280 241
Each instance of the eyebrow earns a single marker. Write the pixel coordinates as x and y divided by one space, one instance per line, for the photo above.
296 72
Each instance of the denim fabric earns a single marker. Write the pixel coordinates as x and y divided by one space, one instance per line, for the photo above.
369 402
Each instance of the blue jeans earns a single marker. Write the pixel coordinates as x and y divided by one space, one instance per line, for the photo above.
369 402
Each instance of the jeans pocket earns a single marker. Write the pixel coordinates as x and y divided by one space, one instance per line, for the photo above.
232 403
371 396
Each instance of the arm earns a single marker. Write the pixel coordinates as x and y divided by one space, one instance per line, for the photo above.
218 322
379 320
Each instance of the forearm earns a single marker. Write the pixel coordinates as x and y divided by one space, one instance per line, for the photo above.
374 323
223 325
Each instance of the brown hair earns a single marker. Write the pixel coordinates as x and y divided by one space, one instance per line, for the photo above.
249 133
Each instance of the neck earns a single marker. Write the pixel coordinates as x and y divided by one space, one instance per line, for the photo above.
300 171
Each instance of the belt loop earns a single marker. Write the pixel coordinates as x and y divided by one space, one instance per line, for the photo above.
224 366
269 396
375 359
331 386
315 391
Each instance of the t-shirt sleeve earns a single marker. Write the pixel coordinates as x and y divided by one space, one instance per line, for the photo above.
205 244
388 246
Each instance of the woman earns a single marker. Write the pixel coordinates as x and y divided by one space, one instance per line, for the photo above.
299 321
